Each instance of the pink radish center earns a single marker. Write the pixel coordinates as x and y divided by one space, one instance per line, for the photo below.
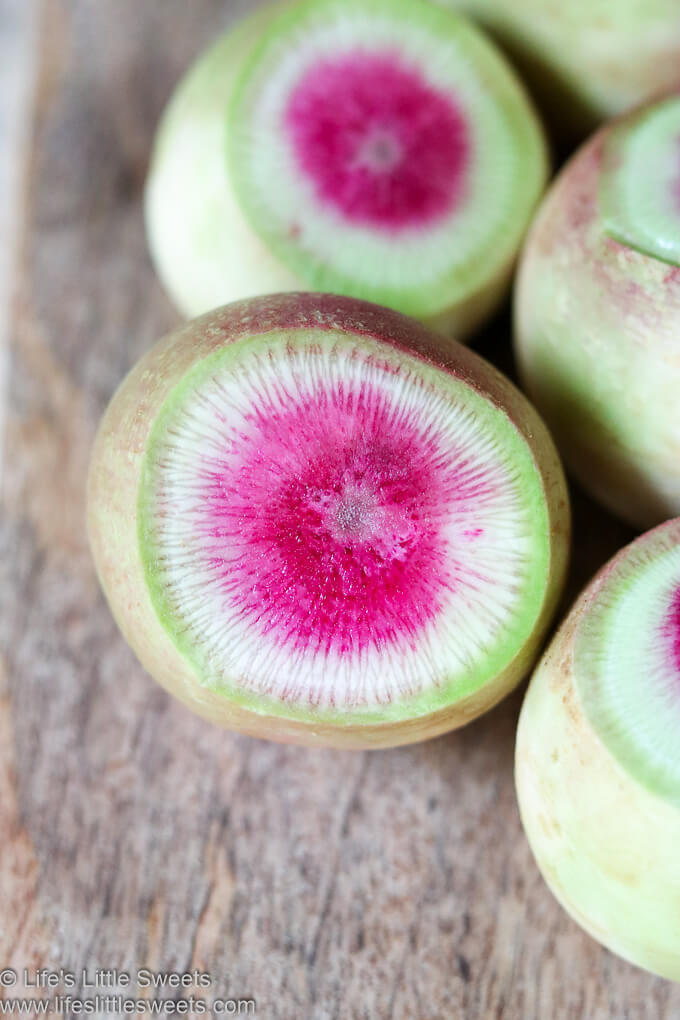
672 631
380 144
328 525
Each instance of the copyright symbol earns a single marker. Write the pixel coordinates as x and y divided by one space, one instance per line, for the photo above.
8 977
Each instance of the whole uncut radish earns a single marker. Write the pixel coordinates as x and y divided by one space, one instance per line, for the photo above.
598 756
382 149
312 527
598 314
586 60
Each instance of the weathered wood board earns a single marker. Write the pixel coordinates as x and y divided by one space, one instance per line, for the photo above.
321 884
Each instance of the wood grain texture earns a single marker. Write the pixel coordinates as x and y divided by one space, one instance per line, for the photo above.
323 884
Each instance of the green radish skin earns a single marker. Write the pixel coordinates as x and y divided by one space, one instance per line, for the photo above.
220 259
210 245
597 321
124 459
599 805
585 60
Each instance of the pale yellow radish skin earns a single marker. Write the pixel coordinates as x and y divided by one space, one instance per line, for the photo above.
586 60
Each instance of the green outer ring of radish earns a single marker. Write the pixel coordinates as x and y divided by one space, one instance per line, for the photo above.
421 704
457 284
599 627
626 187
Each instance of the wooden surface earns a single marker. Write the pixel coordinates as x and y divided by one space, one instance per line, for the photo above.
322 884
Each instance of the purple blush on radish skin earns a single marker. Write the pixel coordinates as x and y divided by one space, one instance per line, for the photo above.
597 314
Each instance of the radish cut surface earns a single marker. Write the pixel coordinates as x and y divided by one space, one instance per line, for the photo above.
627 662
385 150
329 525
